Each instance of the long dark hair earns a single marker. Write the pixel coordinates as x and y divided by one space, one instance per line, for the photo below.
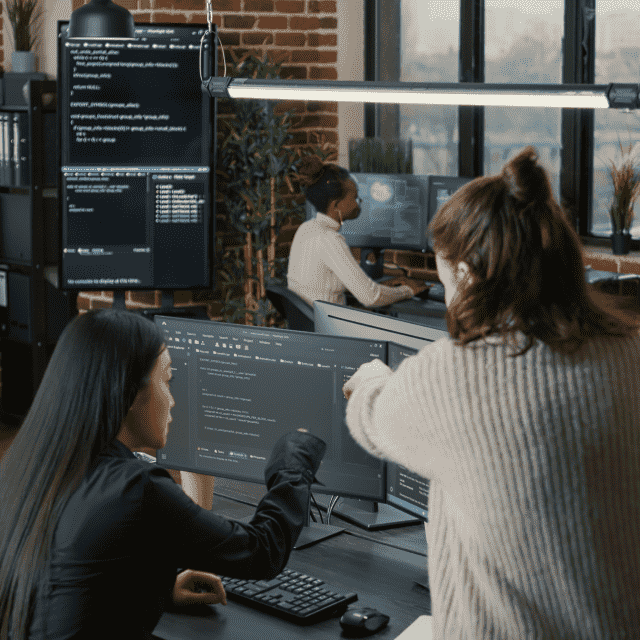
322 183
101 361
526 264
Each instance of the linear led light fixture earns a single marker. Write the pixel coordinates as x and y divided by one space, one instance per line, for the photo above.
567 96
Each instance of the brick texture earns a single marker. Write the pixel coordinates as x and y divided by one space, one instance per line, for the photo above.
301 33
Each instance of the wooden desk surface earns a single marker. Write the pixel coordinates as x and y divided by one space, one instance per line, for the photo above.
384 577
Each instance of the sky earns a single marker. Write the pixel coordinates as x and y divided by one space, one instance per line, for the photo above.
434 24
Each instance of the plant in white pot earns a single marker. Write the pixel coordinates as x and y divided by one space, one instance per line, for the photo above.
24 17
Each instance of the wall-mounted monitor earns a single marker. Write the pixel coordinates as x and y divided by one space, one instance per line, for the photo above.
136 158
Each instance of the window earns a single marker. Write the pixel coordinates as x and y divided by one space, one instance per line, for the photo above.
617 60
429 53
523 45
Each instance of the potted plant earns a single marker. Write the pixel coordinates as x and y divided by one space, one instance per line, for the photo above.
255 161
24 17
626 188
375 155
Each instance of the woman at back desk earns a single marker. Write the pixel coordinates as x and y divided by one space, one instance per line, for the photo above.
321 266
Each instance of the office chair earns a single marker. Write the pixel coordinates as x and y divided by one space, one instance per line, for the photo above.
298 314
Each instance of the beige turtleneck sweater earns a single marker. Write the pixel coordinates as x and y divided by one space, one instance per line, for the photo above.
322 267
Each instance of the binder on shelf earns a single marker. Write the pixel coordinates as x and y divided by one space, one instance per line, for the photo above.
20 150
2 182
6 181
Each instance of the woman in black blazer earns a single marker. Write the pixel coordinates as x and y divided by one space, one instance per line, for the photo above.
92 540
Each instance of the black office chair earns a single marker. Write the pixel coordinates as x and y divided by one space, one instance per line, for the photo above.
298 314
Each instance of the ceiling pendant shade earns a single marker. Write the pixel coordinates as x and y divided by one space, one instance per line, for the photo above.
101 20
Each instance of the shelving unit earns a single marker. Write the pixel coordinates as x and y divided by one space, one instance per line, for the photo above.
33 311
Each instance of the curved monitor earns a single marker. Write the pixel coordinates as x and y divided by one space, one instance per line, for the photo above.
338 320
238 388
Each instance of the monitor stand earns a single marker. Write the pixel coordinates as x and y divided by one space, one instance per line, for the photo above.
375 270
313 532
167 307
369 515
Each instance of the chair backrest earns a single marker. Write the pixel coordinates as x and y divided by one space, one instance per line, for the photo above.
290 305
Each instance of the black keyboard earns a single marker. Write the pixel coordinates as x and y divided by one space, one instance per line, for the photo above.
293 596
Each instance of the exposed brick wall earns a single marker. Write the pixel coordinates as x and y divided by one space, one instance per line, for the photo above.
302 33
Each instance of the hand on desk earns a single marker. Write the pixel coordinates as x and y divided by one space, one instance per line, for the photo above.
198 587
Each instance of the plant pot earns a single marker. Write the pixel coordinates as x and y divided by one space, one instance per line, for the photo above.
23 62
620 243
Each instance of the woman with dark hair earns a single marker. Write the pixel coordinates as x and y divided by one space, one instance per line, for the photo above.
525 420
321 265
91 538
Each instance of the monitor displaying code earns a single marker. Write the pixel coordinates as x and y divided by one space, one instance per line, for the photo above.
238 388
136 148
405 489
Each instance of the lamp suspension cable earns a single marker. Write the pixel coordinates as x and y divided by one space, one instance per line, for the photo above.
204 35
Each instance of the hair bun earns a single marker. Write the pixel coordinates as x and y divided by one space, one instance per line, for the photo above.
309 170
525 179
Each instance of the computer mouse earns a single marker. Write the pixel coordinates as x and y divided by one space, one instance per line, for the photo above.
363 621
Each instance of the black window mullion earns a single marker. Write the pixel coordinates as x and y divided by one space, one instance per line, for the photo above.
371 59
576 155
471 69
382 63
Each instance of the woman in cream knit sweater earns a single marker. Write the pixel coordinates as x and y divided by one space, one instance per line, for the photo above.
525 420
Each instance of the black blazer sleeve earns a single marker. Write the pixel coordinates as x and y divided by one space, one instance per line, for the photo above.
196 538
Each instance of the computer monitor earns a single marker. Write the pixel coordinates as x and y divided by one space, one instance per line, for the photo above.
338 320
405 489
238 388
403 338
137 194
395 212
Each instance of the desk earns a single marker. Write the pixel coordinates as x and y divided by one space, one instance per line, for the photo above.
428 312
384 577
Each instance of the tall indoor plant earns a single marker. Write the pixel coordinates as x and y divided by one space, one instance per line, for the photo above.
25 18
256 160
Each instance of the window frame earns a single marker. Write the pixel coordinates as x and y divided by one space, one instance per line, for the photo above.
577 125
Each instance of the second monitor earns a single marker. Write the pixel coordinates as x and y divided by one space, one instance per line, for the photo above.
395 212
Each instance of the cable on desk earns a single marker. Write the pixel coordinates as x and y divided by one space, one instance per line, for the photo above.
330 508
317 508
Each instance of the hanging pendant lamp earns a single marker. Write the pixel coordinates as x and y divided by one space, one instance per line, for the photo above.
101 20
